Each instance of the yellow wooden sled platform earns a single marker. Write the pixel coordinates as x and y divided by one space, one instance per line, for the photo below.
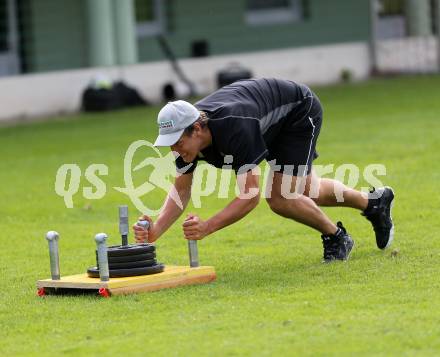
171 277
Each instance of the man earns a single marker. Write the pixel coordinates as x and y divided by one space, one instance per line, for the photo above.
242 124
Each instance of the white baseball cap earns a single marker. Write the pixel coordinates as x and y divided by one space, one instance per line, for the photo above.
172 120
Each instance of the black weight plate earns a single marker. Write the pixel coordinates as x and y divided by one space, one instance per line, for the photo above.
131 258
93 272
131 249
129 265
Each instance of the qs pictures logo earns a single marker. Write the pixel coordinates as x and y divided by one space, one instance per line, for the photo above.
156 171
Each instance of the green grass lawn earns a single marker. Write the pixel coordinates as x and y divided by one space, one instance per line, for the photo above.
273 296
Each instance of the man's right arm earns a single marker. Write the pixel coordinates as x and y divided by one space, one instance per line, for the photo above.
169 213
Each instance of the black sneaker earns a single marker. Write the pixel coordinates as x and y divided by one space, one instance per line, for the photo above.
337 246
378 212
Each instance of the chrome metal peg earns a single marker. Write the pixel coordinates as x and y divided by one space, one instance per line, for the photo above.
100 239
53 237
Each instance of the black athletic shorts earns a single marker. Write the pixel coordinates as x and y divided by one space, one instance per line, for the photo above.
294 148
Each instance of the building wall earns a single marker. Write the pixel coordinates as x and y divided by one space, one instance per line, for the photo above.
60 92
55 35
57 30
222 24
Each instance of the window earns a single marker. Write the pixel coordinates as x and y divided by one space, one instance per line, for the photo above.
267 12
3 26
9 38
391 8
149 19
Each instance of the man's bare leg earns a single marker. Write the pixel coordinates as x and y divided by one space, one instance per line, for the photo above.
301 208
330 190
314 192
376 206
287 199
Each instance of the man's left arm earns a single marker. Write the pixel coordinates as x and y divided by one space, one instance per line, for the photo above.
194 228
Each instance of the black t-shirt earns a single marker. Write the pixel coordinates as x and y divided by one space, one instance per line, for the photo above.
244 119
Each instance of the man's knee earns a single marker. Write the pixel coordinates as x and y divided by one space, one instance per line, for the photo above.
275 204
313 187
279 205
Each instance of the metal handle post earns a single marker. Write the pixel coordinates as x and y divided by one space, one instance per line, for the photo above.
100 239
52 237
193 254
123 224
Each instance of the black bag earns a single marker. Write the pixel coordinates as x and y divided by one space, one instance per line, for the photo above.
117 96
128 95
234 72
